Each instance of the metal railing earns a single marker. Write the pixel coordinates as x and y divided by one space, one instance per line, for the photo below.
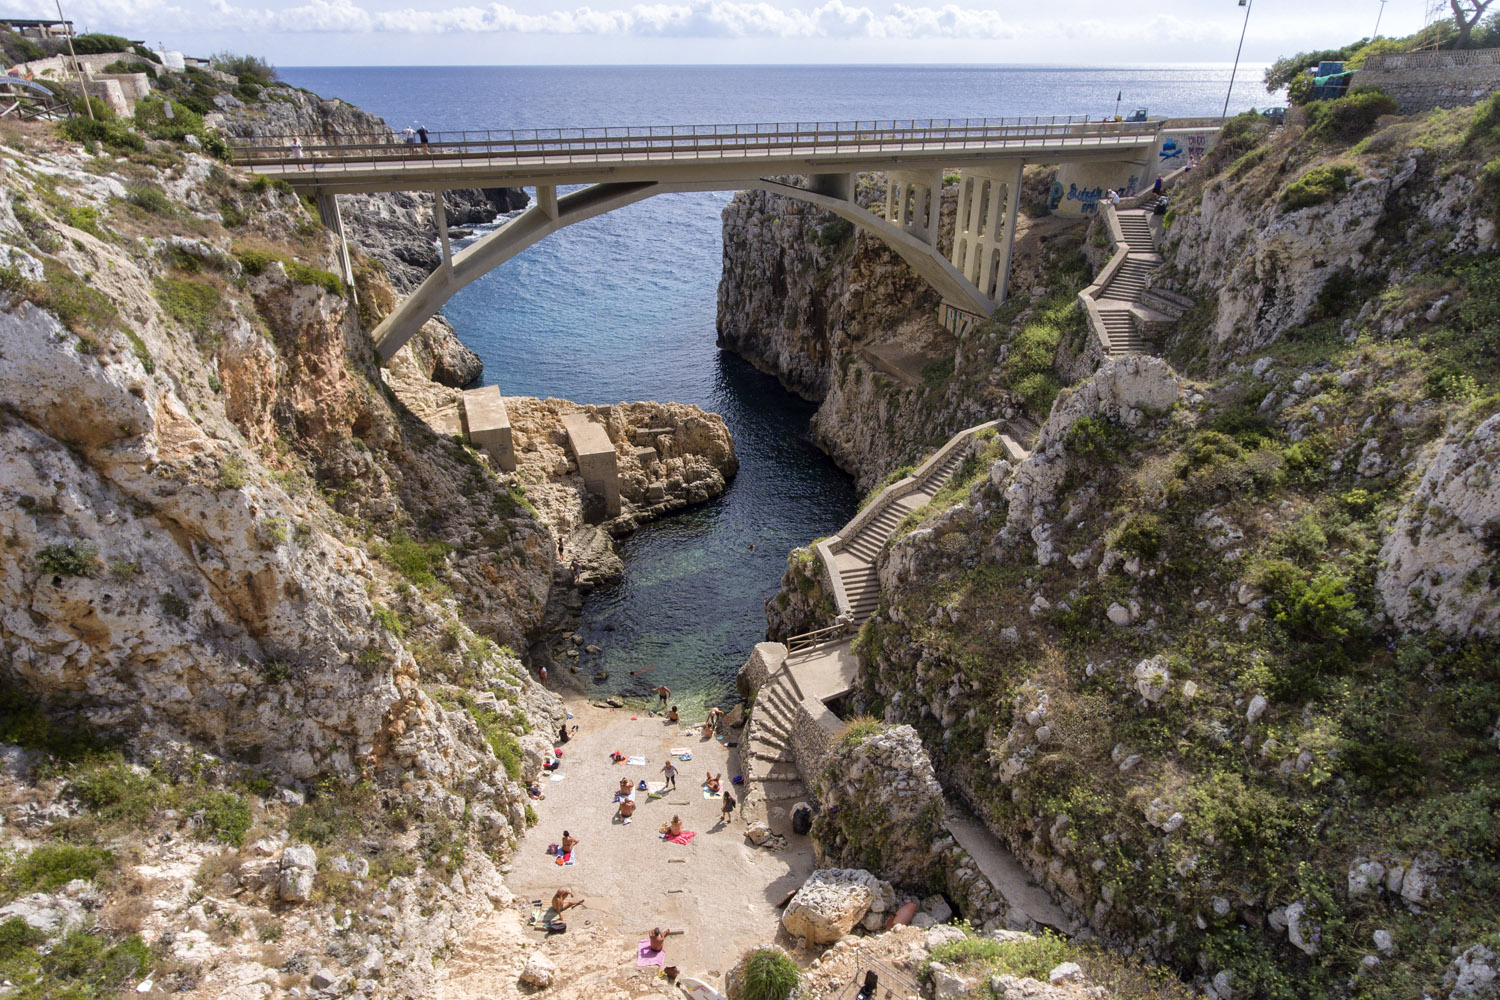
562 146
893 985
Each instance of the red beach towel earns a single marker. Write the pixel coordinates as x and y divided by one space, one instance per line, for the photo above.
683 837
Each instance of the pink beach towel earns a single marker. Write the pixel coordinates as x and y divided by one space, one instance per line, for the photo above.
645 955
683 837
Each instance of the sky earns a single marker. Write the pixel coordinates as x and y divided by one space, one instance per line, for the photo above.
691 32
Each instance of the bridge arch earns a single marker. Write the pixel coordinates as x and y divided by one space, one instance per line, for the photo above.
912 235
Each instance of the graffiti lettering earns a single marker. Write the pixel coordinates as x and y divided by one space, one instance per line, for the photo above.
1197 145
1087 197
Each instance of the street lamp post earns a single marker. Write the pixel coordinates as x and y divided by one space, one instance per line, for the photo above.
1377 20
1245 4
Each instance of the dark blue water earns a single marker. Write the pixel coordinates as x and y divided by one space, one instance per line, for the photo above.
622 307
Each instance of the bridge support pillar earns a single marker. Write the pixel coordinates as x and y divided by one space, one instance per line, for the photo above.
984 230
440 219
546 199
333 220
914 201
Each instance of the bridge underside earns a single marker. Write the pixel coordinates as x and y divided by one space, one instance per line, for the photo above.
972 283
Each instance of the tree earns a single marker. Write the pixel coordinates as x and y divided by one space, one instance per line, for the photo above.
1466 14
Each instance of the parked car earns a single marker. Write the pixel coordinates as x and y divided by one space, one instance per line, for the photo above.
1276 116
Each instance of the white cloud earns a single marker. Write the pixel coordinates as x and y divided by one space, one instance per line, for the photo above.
695 19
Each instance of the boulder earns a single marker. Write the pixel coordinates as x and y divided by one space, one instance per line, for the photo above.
1067 972
831 902
539 970
940 935
947 984
1474 973
52 915
298 864
1152 679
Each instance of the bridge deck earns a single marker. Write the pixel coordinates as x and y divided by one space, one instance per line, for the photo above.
710 153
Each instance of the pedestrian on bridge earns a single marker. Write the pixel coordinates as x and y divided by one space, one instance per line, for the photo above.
422 133
297 151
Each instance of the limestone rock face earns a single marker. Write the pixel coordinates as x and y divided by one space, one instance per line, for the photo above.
1439 566
832 901
881 790
1129 390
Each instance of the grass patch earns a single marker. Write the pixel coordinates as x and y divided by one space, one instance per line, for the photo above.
417 561
256 262
196 305
856 731
52 866
220 815
1318 185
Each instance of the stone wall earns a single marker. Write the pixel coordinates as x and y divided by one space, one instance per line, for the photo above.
813 731
1421 81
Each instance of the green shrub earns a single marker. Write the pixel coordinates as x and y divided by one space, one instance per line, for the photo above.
130 66
499 733
769 975
86 966
255 263
250 69
23 723
234 474
225 816
1318 185
193 303
417 560
937 371
835 233
1484 130
80 307
67 559
24 49
108 133
151 198
1349 118
1098 438
113 790
94 43
1141 534
52 866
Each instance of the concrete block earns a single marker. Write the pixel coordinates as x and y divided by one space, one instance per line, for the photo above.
595 455
488 425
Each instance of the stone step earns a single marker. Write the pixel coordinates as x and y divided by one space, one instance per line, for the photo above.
782 791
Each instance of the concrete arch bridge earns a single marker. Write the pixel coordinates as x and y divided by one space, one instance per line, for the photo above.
621 166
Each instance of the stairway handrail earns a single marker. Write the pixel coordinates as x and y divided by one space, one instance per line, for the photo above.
1089 297
829 547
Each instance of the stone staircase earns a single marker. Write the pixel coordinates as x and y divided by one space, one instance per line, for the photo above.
1122 302
856 562
772 782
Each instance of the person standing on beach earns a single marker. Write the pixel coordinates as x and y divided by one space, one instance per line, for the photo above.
671 774
664 693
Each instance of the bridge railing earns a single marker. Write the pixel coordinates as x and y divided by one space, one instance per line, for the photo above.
517 147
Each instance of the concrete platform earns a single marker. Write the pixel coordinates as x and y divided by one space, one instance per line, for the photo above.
596 459
488 425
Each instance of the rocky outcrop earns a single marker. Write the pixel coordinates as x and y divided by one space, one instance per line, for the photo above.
1128 391
882 808
1271 267
832 901
1440 565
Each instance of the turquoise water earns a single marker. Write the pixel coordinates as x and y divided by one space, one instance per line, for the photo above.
622 307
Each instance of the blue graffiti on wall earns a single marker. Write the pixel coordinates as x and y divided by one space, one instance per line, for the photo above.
1088 198
1170 150
1055 198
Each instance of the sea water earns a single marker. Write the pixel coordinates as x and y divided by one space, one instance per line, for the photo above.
622 307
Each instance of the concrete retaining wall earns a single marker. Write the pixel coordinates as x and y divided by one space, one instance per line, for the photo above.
1421 81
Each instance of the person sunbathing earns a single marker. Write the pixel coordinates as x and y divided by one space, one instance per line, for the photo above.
561 902
712 781
624 789
659 938
568 842
708 729
673 828
672 716
627 809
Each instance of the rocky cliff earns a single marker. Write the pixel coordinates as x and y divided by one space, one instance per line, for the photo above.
1217 659
396 230
840 319
256 614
